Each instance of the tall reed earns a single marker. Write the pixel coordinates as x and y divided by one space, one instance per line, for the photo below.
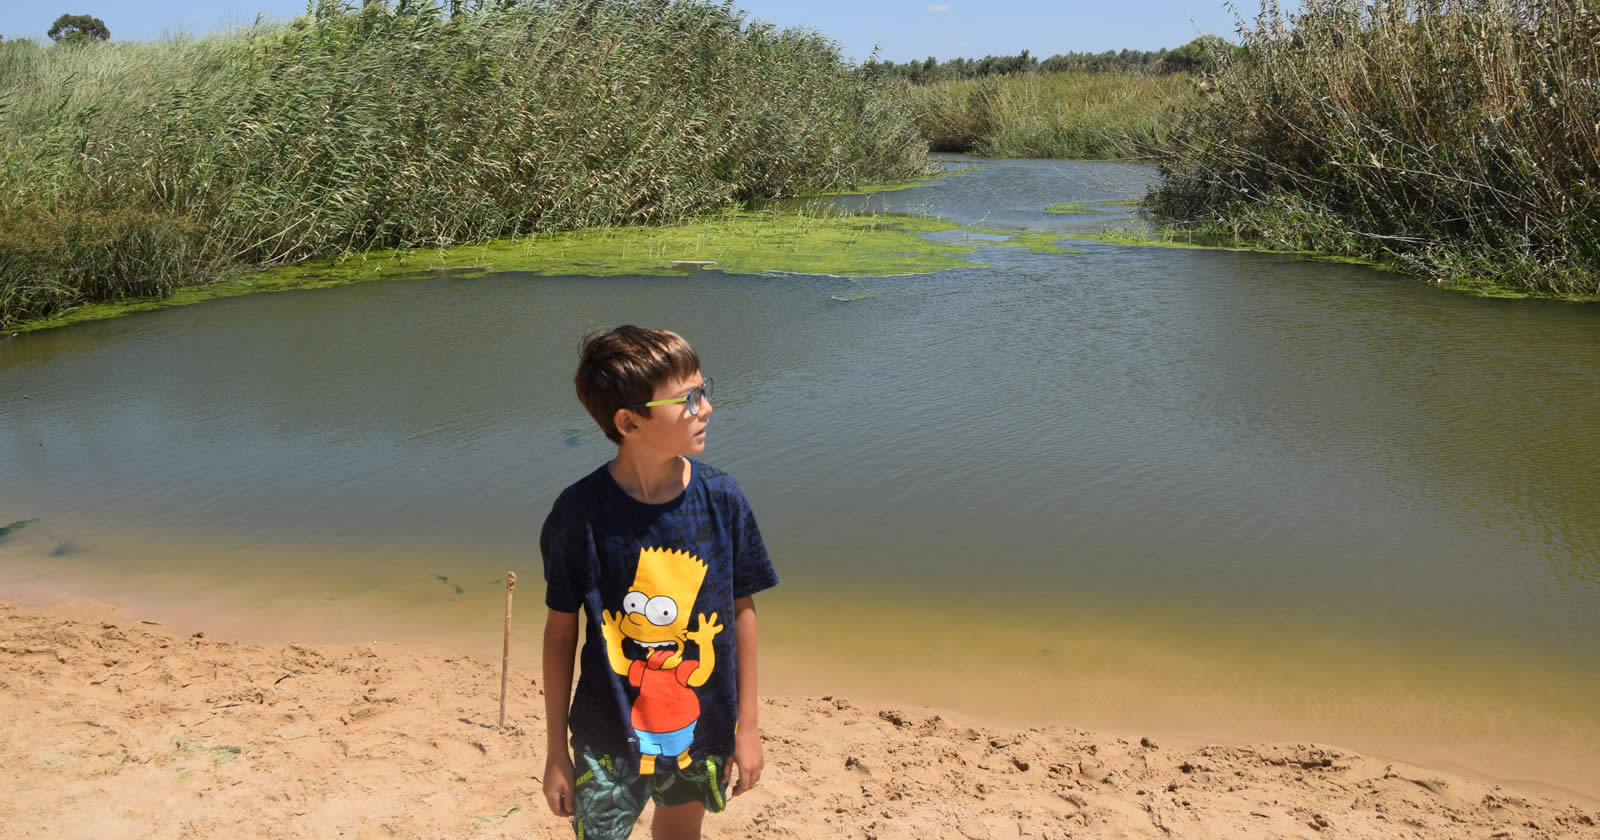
131 169
1055 115
1460 138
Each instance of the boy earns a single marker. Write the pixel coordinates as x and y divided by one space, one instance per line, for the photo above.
663 554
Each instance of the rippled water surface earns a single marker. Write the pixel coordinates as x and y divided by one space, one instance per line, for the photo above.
1222 494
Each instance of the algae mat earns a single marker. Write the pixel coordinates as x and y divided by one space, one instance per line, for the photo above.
737 242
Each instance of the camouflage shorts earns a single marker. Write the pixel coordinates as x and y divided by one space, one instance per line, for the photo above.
610 793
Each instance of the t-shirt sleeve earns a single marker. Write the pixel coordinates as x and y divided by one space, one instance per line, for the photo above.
565 554
752 568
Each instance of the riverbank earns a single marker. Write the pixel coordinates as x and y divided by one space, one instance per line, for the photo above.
134 170
1483 281
185 735
1469 160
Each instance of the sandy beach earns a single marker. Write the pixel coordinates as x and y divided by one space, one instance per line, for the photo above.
113 725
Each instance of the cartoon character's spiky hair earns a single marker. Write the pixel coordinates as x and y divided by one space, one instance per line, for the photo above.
675 574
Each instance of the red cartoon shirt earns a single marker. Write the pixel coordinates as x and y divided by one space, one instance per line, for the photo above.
666 703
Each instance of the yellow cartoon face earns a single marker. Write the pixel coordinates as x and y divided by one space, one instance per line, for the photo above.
657 606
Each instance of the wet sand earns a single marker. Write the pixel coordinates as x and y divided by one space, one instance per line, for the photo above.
113 725
1494 716
1490 715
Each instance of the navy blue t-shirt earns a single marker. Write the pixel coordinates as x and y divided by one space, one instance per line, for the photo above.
658 670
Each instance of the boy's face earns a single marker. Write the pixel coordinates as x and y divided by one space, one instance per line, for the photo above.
670 429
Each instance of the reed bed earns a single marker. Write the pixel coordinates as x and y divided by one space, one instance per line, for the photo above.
134 169
1051 115
1459 139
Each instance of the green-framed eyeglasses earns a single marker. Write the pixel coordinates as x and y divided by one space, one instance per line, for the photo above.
692 400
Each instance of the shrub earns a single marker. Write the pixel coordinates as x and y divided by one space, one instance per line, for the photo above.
1455 137
1197 56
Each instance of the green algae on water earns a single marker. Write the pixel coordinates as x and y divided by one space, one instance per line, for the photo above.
1092 207
234 284
1126 236
1038 242
1035 241
1079 207
927 180
1146 236
738 242
764 242
869 189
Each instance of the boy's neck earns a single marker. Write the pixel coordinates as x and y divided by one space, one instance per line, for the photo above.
651 478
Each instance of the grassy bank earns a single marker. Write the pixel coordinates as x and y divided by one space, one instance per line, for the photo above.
132 170
1455 139
1051 115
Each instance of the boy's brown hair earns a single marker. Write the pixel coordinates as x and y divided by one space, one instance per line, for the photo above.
624 365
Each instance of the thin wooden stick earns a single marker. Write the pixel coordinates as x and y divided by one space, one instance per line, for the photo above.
505 652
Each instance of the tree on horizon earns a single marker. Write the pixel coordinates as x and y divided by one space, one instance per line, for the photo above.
78 29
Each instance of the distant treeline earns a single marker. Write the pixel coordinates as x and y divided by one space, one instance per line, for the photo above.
1051 115
1195 56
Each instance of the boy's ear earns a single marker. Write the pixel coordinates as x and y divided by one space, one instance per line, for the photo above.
626 422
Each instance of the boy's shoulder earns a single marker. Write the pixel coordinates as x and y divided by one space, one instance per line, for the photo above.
582 495
719 485
714 478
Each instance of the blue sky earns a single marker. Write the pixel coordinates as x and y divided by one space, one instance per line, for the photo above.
902 29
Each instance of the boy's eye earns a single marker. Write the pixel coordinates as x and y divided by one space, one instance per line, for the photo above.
661 610
634 603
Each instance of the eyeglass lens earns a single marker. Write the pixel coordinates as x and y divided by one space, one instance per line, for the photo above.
698 394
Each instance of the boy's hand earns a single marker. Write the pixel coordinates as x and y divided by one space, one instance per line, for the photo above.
748 758
558 787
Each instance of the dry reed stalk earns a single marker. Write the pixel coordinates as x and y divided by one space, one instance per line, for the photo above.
505 650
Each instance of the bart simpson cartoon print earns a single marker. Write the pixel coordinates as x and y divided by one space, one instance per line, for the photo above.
655 614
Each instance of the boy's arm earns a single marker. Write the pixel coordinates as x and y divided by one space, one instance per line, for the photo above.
747 753
560 649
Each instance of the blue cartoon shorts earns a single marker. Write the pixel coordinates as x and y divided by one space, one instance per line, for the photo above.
665 743
610 794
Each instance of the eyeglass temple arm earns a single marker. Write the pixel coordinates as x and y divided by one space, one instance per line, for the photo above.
684 398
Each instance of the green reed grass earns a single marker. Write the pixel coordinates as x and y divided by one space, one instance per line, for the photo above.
1459 139
133 169
1055 115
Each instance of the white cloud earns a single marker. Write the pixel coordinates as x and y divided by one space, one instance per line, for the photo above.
939 8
